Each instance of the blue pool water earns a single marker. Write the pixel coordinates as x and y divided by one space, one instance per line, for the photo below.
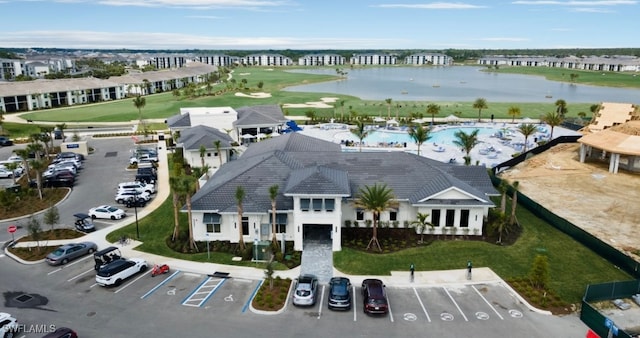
443 136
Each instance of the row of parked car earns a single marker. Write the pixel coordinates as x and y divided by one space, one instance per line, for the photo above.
10 328
373 291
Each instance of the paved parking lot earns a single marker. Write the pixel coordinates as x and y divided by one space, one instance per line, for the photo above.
95 185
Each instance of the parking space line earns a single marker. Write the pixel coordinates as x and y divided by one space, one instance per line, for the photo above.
133 281
68 265
354 302
80 275
321 301
390 313
253 294
422 305
456 304
159 285
486 301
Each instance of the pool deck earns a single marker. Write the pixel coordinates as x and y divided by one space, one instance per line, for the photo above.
490 151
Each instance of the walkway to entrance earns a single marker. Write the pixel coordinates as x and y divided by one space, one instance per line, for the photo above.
317 253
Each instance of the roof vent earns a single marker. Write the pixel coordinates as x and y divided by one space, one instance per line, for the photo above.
225 112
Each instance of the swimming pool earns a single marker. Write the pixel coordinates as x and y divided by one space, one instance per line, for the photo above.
441 136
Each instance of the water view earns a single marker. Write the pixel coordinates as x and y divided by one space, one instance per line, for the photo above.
459 84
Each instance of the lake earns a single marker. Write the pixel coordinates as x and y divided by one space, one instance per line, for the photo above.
459 84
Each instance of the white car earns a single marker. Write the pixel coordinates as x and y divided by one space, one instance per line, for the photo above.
4 173
117 271
124 195
106 211
142 158
8 325
138 186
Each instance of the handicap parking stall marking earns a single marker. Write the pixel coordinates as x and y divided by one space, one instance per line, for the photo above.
159 285
253 294
456 304
486 301
203 292
424 308
515 313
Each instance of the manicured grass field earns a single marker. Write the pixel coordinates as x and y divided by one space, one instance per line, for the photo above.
161 106
609 79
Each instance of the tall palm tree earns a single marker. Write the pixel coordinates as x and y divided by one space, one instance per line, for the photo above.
239 199
421 223
480 103
419 135
35 143
218 145
36 148
48 139
433 110
377 199
514 111
467 142
514 202
526 129
139 102
273 194
176 185
553 119
39 166
503 188
187 187
203 151
561 107
360 132
24 154
388 101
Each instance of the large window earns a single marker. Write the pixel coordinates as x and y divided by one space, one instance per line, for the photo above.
464 218
245 226
281 223
359 215
435 217
451 215
329 205
212 222
393 216
304 204
317 204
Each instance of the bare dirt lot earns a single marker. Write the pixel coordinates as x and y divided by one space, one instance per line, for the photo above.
586 194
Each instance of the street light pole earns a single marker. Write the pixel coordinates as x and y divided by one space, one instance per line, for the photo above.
135 207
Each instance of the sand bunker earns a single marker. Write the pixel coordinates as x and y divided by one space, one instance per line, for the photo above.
255 95
323 103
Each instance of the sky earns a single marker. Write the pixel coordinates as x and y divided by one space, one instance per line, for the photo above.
317 24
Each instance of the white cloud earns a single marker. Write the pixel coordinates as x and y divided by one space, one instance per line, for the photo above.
433 5
592 10
577 3
143 40
199 4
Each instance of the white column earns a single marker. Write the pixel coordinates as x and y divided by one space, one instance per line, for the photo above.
583 152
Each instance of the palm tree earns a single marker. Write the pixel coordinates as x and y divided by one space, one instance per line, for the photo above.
376 198
467 142
360 132
139 102
239 198
388 101
419 135
35 148
553 119
218 145
176 185
526 129
341 110
39 166
503 188
433 110
514 111
480 103
421 223
273 194
187 187
24 154
48 139
203 151
514 202
561 107
501 225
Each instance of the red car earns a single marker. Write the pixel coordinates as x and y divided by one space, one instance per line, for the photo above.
374 297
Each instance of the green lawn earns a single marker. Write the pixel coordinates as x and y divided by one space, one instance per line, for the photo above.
161 106
609 79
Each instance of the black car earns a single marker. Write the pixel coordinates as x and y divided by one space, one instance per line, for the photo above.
339 293
374 297
62 332
58 181
5 141
135 202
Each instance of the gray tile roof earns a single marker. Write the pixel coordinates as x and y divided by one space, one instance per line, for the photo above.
261 115
192 138
179 121
291 142
330 171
